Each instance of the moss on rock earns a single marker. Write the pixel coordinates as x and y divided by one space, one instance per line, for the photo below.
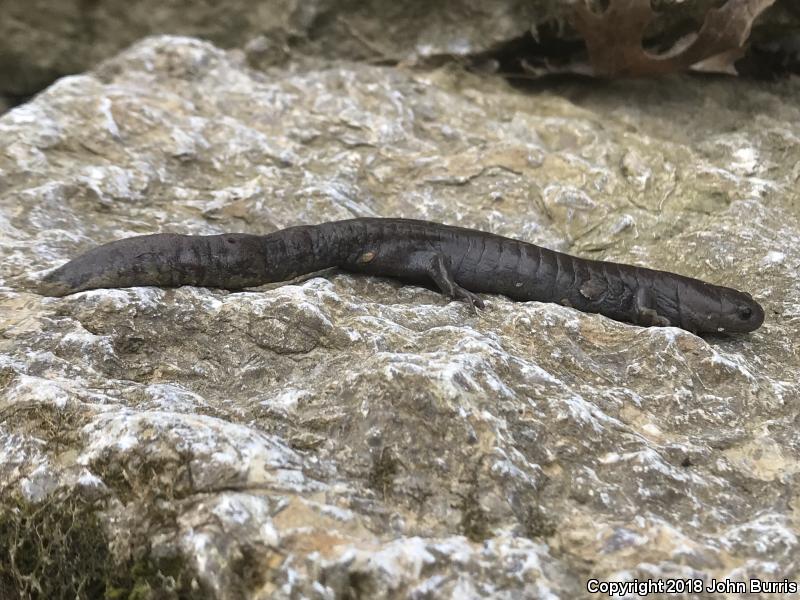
60 549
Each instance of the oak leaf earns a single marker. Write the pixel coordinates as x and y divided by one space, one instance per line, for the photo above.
614 38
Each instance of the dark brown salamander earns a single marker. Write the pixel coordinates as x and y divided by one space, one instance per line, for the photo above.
458 261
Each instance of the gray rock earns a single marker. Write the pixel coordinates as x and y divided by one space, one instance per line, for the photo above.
41 40
345 436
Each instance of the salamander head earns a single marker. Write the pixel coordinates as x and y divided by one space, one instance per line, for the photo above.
740 313
717 309
706 308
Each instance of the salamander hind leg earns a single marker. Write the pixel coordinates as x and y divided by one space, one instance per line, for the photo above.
644 314
439 268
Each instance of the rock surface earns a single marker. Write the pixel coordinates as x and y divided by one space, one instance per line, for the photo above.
348 436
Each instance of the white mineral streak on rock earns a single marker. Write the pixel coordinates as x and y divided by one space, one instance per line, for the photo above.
745 160
416 566
39 483
774 257
88 479
20 456
224 453
38 389
172 397
112 183
354 436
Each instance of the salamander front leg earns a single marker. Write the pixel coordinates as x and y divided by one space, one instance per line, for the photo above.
646 315
439 270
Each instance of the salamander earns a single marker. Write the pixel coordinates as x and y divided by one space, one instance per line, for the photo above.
460 262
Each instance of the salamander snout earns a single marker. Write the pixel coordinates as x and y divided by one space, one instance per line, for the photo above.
740 313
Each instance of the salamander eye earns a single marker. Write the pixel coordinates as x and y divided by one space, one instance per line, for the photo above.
745 313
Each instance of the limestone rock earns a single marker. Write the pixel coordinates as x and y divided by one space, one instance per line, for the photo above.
346 436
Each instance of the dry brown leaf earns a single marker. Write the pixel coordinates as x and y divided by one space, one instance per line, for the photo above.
614 38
